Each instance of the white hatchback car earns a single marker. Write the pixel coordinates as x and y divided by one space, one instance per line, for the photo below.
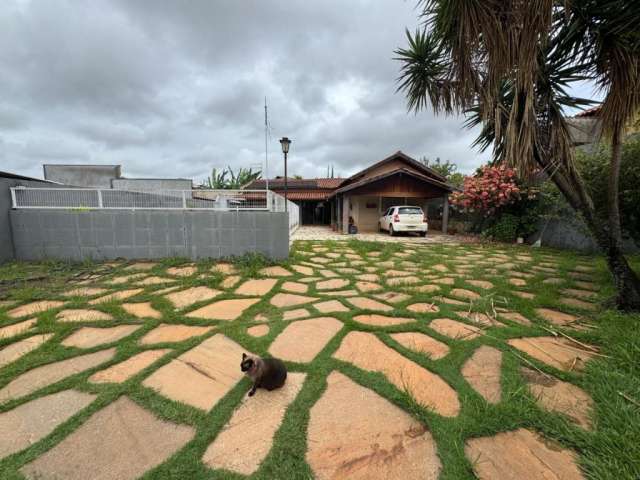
406 218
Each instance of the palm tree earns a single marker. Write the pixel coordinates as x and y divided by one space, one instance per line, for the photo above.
508 63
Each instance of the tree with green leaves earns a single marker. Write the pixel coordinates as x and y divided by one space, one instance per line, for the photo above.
508 64
447 169
227 179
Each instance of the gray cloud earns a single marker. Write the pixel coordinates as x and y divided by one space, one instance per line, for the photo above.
169 88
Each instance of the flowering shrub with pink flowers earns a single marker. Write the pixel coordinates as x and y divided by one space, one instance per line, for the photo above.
490 189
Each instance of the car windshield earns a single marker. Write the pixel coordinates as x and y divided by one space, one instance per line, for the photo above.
410 211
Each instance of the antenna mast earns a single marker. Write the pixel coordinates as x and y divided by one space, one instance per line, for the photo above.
266 155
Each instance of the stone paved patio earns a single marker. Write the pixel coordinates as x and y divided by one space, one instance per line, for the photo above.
369 337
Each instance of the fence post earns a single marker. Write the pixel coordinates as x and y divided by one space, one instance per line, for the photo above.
184 199
99 198
13 198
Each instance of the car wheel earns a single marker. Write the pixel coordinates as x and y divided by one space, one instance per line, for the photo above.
391 232
423 234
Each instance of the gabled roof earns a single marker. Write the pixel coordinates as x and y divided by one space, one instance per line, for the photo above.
429 172
400 171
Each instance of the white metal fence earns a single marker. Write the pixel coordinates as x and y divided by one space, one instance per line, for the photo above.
93 198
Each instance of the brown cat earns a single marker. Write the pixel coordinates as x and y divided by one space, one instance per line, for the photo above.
267 373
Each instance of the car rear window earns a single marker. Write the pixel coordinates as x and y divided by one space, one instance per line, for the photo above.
410 211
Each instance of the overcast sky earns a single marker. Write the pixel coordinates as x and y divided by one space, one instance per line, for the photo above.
175 88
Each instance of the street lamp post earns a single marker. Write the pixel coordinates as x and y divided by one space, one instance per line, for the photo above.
285 142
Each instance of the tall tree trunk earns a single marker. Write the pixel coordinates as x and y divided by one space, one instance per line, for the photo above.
613 202
626 280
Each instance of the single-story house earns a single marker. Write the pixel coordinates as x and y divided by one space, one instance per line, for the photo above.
364 196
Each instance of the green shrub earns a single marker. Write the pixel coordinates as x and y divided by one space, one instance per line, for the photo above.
505 229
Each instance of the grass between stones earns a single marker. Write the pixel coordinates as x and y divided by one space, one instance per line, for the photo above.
610 451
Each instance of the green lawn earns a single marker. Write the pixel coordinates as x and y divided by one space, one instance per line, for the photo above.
610 451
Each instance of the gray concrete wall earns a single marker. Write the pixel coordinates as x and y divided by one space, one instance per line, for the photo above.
98 176
149 184
6 240
137 234
571 234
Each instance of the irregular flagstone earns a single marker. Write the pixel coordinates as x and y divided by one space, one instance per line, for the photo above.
344 442
480 319
330 306
574 292
224 309
366 351
520 454
560 353
185 271
455 330
256 287
333 284
123 371
186 298
463 293
382 320
240 449
368 286
482 371
444 281
120 442
89 337
450 301
17 328
121 295
45 375
587 285
561 397
295 314
309 279
339 293
321 260
515 317
224 268
141 310
440 268
34 308
281 300
553 281
29 423
328 274
368 277
81 315
426 288
230 281
403 281
275 272
302 269
555 317
396 273
480 284
141 266
421 343
365 303
302 340
392 297
517 282
525 295
295 287
258 330
423 308
165 333
154 281
84 292
201 376
581 304
14 351
125 278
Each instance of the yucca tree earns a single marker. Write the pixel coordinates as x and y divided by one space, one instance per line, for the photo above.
508 65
